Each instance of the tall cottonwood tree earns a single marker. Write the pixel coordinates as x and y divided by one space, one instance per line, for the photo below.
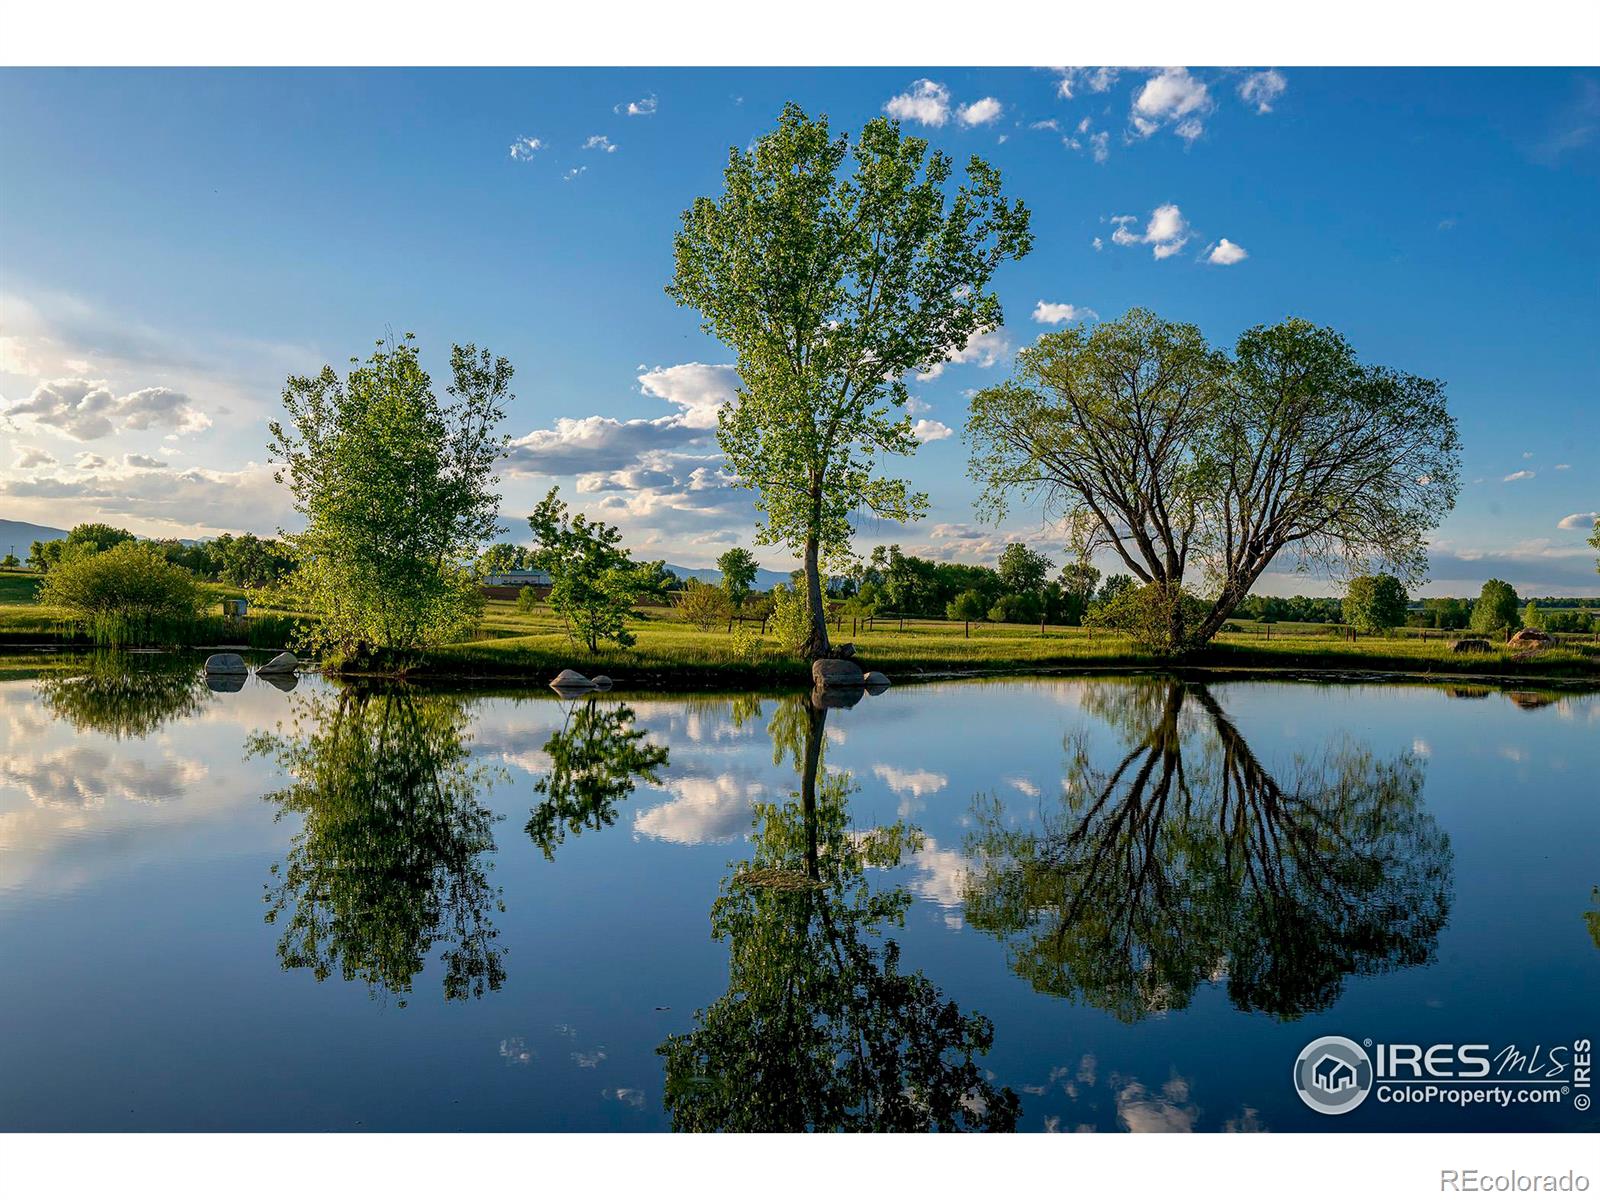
833 271
1144 439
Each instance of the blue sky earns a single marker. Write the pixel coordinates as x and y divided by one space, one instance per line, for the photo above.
172 244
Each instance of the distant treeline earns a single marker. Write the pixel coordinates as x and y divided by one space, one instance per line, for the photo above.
243 560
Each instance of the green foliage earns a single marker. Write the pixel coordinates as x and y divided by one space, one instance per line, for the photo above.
528 600
123 594
1016 609
1531 617
1157 617
738 567
703 605
397 491
125 695
503 558
10 562
831 282
245 560
1078 580
595 758
81 541
594 582
390 857
968 606
1374 603
1142 438
790 623
1496 607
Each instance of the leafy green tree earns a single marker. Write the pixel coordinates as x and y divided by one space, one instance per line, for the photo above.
594 582
821 1027
596 757
397 491
1594 540
81 540
1496 607
503 558
1144 439
1375 603
703 605
1016 610
831 282
1078 580
1114 586
1184 859
124 594
1023 573
968 607
389 860
10 562
1447 613
738 567
1531 617
251 562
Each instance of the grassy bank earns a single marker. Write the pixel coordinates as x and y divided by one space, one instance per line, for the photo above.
532 646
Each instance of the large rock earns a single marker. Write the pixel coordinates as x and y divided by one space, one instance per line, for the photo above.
836 673
282 664
876 681
226 664
1532 637
569 682
1471 646
603 682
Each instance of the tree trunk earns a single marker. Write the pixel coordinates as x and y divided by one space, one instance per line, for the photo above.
816 720
817 645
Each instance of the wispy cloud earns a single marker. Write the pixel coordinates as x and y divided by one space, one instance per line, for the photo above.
1516 475
524 148
1047 313
643 107
1262 89
599 141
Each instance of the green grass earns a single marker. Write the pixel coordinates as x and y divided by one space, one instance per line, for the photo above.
511 644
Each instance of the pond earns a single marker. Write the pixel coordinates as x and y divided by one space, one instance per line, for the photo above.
1066 903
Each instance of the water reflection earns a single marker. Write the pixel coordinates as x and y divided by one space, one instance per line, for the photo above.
1188 861
596 758
390 860
127 696
820 1029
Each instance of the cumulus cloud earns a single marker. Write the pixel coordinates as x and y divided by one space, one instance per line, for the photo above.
980 112
1516 475
1578 521
698 389
142 462
1226 253
1060 314
31 457
579 444
983 349
87 409
600 141
925 102
1172 96
1070 80
1165 233
931 431
190 501
643 107
702 809
524 148
1262 89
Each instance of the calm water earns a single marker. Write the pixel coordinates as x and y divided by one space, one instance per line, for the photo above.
1064 904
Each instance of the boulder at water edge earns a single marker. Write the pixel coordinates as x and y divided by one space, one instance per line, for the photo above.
876 679
282 664
603 682
836 673
226 664
1470 646
570 681
1531 637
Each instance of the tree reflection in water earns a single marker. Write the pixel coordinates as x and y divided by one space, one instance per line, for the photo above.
124 695
390 859
596 757
1189 862
820 1029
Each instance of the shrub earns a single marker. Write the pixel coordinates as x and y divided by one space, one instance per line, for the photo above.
791 619
122 594
968 606
703 605
1158 617
1016 608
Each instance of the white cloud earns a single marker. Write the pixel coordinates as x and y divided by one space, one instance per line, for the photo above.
85 409
524 148
595 443
1171 96
926 102
1262 89
1099 244
644 107
699 389
1578 521
142 462
1060 314
1165 233
1093 79
1562 467
600 141
1516 475
931 431
984 349
1051 124
31 457
918 783
1100 146
980 112
162 501
1226 253
702 809
572 173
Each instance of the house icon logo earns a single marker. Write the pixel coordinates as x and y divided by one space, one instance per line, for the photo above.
1333 1075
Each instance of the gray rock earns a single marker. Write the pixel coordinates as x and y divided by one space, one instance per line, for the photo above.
876 681
1532 637
847 650
226 664
837 697
1470 646
569 681
603 682
836 673
282 664
226 683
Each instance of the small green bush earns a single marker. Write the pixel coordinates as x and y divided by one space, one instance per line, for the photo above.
125 594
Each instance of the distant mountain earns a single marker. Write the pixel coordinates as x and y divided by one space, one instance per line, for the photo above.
764 578
21 534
